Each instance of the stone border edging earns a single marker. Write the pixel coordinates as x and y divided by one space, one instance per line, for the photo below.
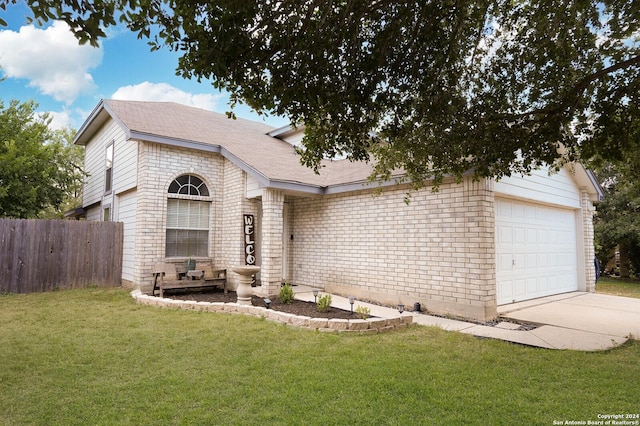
372 325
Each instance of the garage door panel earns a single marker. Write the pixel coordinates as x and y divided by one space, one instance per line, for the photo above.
542 260
504 263
532 235
519 288
536 251
519 235
543 284
543 236
564 259
505 234
519 264
552 284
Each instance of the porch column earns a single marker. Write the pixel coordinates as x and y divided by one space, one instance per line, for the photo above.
272 227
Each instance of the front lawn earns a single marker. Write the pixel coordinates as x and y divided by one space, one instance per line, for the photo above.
618 286
94 357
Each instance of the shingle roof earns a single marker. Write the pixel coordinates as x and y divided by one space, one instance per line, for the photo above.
244 141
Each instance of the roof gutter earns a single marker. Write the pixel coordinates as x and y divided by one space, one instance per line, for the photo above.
95 119
180 143
594 181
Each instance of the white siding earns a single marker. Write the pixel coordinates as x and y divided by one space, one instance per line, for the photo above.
558 188
125 165
94 213
127 215
253 187
295 139
94 161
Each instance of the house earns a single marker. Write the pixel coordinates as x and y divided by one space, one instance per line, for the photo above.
186 181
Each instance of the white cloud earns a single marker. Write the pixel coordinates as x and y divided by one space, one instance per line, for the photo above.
61 119
164 92
51 59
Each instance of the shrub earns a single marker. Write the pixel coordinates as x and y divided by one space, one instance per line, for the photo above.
324 302
363 312
286 293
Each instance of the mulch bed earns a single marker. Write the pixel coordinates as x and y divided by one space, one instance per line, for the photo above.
298 307
307 309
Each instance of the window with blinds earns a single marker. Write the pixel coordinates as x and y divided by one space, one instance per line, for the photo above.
187 220
108 168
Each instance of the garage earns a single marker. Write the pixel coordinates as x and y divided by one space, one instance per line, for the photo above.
536 252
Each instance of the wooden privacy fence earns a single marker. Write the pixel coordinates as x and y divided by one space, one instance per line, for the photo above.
43 255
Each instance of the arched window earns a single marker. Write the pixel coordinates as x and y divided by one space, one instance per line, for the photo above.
187 219
189 185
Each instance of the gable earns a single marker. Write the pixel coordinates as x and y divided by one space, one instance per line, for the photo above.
561 188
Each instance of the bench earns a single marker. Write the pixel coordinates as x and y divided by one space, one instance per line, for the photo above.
215 277
166 277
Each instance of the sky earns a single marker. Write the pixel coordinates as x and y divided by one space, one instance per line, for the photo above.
67 80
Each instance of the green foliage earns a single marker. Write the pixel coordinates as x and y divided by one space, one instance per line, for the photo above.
87 19
70 161
617 221
38 167
324 302
445 86
286 293
363 312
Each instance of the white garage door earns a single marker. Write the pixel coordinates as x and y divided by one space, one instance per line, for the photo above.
536 252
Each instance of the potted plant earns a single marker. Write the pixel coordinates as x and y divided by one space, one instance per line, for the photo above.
190 264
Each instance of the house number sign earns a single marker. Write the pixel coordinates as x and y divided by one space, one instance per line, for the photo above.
249 240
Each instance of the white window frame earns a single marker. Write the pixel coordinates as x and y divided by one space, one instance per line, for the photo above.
188 218
108 167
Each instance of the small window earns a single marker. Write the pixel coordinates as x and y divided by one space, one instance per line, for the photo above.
106 214
108 174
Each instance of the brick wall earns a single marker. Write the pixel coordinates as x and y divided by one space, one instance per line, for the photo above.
158 166
231 227
438 250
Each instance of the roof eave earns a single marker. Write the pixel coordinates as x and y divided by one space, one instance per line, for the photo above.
284 131
96 119
587 179
176 142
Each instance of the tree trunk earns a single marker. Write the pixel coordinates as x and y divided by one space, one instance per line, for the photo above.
624 261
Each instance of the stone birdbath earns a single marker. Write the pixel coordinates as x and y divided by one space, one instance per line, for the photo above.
244 290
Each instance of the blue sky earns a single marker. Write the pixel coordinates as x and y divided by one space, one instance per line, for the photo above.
67 80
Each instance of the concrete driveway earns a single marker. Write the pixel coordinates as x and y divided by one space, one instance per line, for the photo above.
583 321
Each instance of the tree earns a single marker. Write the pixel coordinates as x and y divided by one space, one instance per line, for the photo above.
617 222
70 160
436 88
36 170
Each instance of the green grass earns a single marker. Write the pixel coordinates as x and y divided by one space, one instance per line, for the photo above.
94 357
618 286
